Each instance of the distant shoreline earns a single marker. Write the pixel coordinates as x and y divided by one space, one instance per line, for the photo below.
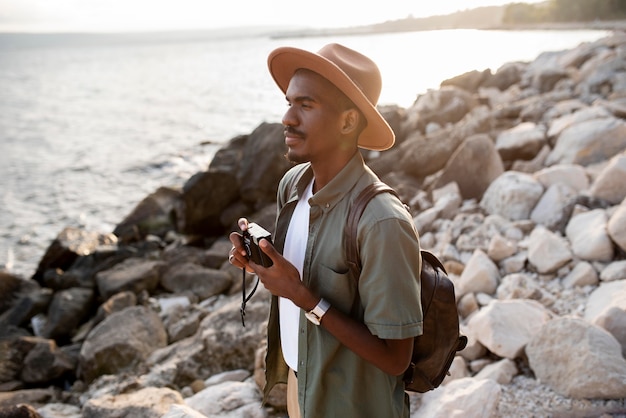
613 25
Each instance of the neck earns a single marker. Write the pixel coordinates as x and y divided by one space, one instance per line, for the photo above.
325 171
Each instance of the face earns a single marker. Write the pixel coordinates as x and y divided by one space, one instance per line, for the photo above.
314 119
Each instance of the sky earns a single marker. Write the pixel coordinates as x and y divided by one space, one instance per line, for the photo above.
143 15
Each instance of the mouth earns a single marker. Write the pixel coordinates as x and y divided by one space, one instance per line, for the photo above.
292 136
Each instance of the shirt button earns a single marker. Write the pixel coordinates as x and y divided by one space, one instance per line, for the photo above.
327 205
301 330
302 363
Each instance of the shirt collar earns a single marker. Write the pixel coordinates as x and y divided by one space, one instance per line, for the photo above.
341 184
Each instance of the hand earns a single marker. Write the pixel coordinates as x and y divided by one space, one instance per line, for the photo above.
283 279
237 255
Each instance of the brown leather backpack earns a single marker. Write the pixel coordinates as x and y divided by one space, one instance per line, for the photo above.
434 350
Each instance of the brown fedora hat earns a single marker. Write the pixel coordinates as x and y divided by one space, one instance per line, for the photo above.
354 74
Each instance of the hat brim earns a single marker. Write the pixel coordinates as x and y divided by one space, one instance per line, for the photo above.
283 63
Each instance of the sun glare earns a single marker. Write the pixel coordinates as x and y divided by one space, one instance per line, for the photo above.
138 15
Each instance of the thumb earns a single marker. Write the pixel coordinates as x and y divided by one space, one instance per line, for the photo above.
267 247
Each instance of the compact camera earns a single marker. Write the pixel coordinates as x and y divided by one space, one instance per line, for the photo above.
251 239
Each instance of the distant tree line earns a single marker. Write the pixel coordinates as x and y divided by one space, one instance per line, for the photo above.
565 11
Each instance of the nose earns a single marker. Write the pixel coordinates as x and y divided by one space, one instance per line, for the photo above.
289 118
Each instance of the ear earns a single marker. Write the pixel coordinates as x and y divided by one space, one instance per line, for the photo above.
350 121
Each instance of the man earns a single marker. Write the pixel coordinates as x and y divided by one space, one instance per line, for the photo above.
341 347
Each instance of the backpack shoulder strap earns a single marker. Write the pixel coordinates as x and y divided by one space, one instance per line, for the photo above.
352 223
432 260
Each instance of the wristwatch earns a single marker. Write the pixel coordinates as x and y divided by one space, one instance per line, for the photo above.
315 315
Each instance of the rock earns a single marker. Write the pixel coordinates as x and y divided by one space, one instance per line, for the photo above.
501 371
217 254
610 184
500 248
20 301
472 166
571 175
421 156
504 327
589 142
228 400
115 303
12 288
68 246
547 251
519 286
467 304
183 322
33 397
506 76
83 270
587 233
447 201
467 396
229 376
204 197
182 411
606 296
264 153
616 227
614 271
44 361
146 402
546 79
19 411
69 309
593 367
579 114
201 281
531 166
443 106
614 321
583 274
121 342
59 410
521 142
134 274
513 195
480 275
554 208
154 215
515 263
469 81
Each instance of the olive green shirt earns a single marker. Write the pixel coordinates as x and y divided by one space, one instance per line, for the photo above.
332 380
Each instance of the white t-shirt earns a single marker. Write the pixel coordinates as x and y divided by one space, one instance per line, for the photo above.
294 251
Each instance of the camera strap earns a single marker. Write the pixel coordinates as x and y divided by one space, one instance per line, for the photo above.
244 298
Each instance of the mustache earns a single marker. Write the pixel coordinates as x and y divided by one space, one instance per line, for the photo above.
290 131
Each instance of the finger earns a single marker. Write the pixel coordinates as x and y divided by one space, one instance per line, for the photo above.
237 241
243 224
268 249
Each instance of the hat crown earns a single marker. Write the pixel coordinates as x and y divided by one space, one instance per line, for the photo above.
354 74
363 72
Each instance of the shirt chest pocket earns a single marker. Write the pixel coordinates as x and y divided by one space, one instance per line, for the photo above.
336 286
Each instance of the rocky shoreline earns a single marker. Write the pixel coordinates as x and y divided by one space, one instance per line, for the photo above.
516 179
